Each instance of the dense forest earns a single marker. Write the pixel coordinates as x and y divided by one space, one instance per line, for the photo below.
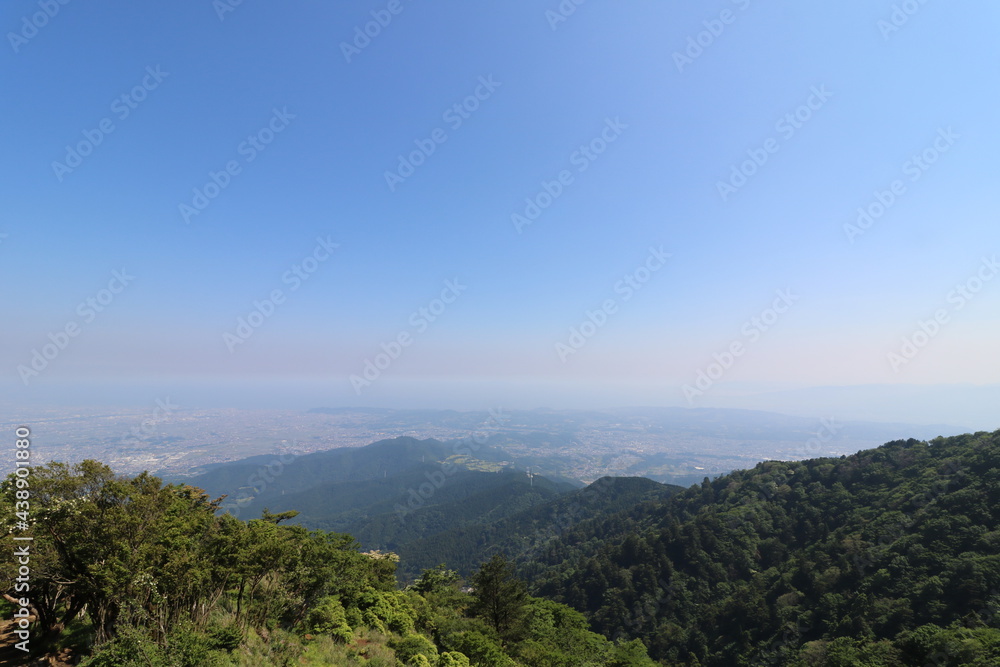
133 571
518 527
889 557
427 501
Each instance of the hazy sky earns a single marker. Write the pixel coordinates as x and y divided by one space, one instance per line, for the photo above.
651 176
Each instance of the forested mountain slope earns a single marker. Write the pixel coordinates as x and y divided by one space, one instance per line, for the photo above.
516 520
129 572
885 557
260 482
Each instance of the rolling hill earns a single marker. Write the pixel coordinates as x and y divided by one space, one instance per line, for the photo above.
887 557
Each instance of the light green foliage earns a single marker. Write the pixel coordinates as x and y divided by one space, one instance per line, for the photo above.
481 650
630 654
415 650
453 659
386 611
560 637
151 564
847 652
411 647
184 648
954 645
329 618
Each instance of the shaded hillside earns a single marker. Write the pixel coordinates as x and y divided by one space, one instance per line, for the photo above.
393 499
881 558
521 535
262 481
463 517
424 535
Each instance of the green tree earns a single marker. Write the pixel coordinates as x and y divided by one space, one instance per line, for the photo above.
435 579
500 597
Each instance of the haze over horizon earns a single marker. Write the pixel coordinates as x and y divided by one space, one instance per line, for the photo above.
475 206
963 407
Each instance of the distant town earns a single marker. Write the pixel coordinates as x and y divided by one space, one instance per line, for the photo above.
663 444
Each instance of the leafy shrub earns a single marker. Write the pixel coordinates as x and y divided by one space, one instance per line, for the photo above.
453 659
409 647
130 647
185 648
329 618
386 611
481 650
226 638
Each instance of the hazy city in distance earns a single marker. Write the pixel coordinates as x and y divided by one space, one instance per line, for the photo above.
168 435
651 206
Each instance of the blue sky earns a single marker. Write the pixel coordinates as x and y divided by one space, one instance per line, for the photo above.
879 96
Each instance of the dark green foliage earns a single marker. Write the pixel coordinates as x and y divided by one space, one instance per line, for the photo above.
357 477
421 499
225 638
522 533
829 561
887 558
500 598
163 580
420 530
434 580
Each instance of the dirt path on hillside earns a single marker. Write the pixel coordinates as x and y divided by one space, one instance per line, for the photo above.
9 655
